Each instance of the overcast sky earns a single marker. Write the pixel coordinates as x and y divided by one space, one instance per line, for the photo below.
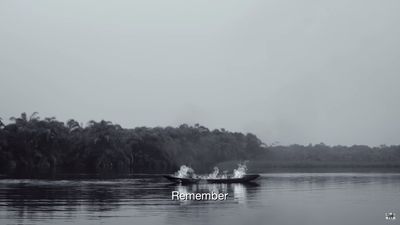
287 70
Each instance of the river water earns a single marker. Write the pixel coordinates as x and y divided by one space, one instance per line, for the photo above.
275 198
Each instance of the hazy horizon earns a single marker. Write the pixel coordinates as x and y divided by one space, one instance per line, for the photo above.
290 72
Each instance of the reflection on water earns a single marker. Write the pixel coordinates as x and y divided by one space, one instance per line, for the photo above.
239 193
310 198
236 192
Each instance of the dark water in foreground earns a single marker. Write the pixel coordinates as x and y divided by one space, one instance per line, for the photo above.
281 198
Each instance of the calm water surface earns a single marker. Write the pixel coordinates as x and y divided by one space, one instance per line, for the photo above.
281 198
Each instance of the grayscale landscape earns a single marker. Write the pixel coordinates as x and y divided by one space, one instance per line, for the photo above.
108 107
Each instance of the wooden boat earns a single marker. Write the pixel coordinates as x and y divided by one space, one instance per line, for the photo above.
244 179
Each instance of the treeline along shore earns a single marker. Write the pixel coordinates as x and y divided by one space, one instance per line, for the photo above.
29 143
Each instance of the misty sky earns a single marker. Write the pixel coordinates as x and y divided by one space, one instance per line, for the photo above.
289 71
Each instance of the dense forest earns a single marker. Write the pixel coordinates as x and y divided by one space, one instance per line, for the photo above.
324 156
28 143
31 143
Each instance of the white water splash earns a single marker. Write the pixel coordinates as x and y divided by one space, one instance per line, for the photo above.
240 171
184 172
214 174
187 172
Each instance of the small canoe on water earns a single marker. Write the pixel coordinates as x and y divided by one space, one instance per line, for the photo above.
244 179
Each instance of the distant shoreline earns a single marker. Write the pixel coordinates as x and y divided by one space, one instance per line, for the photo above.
30 144
127 175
